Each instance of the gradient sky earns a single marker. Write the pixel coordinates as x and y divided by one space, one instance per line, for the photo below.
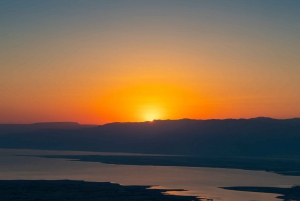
105 61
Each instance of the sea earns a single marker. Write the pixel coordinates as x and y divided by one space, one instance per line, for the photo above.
19 164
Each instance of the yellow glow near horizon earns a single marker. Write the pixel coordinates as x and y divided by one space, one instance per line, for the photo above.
151 113
147 102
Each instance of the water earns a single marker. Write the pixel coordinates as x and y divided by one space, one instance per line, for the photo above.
202 182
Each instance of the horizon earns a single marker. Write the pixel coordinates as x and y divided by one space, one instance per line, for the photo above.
149 121
96 62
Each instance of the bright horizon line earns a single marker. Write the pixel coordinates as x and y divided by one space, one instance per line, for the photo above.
45 122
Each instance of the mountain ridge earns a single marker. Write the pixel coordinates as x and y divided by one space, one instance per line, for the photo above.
256 137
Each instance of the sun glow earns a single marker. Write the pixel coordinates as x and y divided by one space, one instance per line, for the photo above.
149 101
151 113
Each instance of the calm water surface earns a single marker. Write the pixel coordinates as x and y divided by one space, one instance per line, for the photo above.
202 182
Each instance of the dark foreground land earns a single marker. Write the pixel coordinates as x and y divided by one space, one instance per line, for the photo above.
287 194
66 190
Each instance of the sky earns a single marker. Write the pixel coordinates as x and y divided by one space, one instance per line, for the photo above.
96 62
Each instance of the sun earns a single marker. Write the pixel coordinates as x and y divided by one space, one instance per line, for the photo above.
150 118
151 113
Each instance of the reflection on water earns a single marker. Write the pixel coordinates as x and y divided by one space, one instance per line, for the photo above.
203 182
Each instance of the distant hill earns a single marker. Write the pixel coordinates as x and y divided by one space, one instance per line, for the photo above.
15 128
257 137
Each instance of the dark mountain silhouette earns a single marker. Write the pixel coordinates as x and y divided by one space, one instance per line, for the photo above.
15 128
257 137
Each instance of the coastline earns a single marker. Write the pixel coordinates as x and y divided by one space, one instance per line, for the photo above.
289 167
285 194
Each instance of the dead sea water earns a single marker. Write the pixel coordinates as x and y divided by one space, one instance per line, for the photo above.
202 182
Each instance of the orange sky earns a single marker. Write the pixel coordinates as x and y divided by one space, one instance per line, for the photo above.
96 62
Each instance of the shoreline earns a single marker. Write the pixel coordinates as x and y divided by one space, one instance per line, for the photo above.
288 167
285 194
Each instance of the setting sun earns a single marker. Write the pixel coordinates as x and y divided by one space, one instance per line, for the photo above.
151 113
149 101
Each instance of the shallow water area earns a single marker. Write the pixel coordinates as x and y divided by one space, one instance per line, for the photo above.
202 182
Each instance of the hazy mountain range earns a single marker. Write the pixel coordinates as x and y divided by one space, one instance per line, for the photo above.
257 137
